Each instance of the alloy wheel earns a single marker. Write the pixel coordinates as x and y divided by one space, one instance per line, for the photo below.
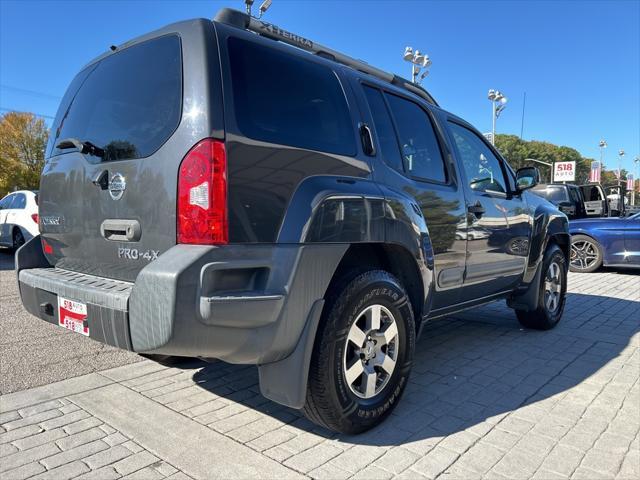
584 254
371 351
553 287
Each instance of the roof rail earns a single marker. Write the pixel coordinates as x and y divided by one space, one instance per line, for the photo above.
239 19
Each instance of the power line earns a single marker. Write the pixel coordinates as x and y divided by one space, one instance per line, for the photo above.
30 92
32 113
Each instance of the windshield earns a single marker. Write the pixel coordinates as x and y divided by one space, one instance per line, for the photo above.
553 194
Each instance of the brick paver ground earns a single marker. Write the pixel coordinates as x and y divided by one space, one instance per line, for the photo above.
487 399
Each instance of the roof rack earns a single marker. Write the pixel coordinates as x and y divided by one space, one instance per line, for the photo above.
239 19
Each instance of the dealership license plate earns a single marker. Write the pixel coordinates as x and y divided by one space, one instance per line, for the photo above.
73 315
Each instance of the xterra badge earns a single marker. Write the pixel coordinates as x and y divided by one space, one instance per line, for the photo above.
117 185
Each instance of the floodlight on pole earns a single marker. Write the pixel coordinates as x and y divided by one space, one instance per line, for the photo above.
498 104
602 145
264 7
248 5
418 62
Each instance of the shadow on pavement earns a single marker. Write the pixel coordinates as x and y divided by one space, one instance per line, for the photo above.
7 261
470 370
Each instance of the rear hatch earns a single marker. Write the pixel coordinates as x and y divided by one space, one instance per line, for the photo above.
108 189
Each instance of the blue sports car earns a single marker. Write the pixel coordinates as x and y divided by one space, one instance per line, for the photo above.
613 242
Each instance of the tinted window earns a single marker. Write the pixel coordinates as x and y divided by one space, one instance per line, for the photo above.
279 98
19 201
482 168
420 149
5 203
129 104
384 128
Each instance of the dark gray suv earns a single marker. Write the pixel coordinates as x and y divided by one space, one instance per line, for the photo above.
229 189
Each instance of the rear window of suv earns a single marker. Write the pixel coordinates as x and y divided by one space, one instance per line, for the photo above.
283 99
128 104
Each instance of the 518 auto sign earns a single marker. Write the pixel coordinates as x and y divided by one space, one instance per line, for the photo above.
564 171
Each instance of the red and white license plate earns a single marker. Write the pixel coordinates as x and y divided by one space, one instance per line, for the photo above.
73 315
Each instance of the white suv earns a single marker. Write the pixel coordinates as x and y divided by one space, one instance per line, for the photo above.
18 218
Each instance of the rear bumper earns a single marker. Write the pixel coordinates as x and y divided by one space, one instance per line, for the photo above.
239 303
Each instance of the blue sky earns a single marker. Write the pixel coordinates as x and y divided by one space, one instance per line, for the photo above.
578 61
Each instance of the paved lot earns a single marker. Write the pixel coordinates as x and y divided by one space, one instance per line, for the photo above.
486 400
33 352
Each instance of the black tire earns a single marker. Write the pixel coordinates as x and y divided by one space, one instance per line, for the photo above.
581 247
330 401
18 238
544 317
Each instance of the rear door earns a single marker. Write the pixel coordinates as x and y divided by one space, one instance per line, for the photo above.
415 162
111 210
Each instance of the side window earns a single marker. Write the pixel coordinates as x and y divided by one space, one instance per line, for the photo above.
20 201
482 168
280 98
420 149
384 128
7 201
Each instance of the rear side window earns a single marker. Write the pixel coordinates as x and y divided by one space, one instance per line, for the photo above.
19 201
283 99
128 104
384 128
420 149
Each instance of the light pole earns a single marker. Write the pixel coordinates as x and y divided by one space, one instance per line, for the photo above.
636 162
498 103
550 165
602 145
418 62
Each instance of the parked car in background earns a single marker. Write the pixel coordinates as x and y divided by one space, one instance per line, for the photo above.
18 218
568 198
612 242
595 200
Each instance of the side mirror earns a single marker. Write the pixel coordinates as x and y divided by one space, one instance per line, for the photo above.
527 177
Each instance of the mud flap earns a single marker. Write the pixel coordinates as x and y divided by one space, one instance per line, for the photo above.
285 381
527 300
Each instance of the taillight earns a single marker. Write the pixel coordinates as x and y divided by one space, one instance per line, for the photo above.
34 217
202 195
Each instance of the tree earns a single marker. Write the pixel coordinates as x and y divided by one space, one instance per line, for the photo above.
23 139
516 151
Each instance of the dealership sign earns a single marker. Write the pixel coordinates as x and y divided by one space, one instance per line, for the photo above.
564 171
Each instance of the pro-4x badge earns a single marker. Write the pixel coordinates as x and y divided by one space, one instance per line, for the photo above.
117 186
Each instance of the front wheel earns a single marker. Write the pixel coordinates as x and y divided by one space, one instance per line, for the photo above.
586 254
362 355
551 296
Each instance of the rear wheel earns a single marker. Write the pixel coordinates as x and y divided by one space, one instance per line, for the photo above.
363 354
586 254
551 296
18 238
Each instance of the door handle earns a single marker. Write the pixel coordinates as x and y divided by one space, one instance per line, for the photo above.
476 209
367 140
